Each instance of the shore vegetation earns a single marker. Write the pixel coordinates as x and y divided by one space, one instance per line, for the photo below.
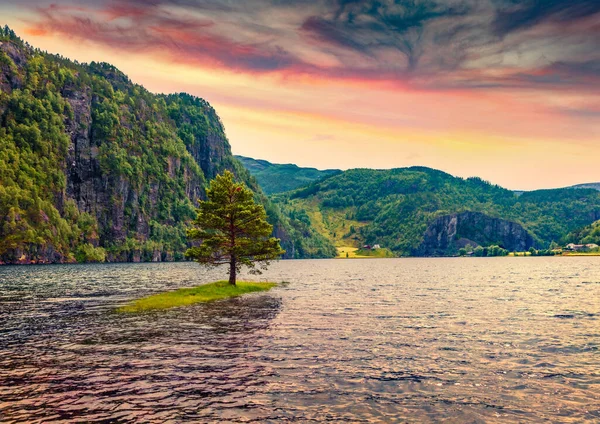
189 296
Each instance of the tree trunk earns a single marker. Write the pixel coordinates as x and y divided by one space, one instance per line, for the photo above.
232 271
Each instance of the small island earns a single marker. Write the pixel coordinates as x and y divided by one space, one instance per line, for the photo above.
189 296
230 229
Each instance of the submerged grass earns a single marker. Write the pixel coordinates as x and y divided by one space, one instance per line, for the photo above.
188 296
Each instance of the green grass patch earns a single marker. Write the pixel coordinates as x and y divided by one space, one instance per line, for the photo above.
375 253
332 223
189 296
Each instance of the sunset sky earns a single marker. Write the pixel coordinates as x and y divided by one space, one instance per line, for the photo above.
507 90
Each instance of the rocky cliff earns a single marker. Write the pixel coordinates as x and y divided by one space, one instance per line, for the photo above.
446 234
94 167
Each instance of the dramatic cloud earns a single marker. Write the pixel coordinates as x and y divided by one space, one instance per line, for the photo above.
519 15
185 37
372 26
467 86
423 43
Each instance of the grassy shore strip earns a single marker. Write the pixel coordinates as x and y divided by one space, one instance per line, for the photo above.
188 296
346 252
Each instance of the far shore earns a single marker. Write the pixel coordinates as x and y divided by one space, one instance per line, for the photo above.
348 252
351 255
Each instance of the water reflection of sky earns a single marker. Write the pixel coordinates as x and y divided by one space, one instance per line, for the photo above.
379 340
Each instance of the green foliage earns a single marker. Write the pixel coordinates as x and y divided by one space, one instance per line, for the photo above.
542 252
489 251
275 178
305 240
231 228
88 253
137 144
195 119
396 206
479 251
497 251
375 253
33 146
298 238
589 234
150 154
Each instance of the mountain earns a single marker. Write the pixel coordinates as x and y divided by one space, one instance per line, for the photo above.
595 186
277 178
421 211
94 167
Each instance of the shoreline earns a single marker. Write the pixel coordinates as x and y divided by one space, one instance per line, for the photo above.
2 265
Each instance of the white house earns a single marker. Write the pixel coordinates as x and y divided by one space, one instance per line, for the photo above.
576 247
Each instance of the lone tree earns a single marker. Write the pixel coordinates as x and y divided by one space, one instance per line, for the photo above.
232 229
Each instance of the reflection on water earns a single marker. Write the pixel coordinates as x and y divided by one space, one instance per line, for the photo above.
418 340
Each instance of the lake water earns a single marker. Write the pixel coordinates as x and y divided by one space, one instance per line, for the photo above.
468 340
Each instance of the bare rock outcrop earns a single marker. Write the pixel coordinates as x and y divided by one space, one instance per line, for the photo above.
446 234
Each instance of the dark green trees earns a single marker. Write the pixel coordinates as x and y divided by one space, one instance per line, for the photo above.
232 229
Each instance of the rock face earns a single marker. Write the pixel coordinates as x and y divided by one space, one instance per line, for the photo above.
112 198
133 167
448 233
210 152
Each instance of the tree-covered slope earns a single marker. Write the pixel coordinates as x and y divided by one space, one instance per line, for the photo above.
396 208
590 234
95 167
277 178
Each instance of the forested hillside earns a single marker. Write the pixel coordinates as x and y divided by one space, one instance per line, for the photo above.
590 234
277 178
421 211
94 167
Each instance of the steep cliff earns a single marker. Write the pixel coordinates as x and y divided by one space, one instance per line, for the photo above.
94 167
446 234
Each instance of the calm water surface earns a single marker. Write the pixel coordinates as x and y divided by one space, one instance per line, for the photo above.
394 340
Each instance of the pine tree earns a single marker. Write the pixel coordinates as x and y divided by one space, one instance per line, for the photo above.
232 229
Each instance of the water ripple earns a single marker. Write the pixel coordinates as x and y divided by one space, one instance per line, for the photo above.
413 340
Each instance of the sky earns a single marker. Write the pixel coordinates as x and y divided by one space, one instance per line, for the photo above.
507 90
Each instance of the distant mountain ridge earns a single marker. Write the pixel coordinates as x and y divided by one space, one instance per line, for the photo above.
278 178
420 211
595 186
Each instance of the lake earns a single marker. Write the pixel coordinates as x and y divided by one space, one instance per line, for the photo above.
467 340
